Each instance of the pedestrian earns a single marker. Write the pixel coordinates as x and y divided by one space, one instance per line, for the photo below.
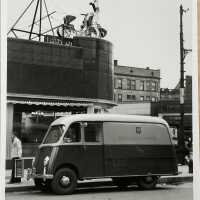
16 153
189 162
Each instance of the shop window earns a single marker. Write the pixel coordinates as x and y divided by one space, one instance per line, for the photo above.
33 126
93 132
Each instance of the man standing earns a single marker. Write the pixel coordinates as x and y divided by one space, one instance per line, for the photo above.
16 153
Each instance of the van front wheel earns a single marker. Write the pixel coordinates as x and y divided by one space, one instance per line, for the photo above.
64 181
147 182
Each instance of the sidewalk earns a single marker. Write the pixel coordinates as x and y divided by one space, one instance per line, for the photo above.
25 185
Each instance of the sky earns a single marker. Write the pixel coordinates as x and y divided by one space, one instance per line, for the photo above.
144 33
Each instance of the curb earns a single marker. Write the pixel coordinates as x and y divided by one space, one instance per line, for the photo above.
174 180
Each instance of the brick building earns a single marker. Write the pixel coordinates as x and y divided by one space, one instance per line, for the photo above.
133 84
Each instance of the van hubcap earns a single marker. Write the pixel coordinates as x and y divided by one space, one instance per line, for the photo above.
148 179
65 181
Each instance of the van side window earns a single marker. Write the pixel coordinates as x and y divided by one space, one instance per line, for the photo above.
73 133
93 132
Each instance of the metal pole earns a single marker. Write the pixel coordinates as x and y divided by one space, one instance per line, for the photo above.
40 20
181 143
34 19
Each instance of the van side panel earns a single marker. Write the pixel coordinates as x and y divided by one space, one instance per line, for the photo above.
86 159
138 149
69 155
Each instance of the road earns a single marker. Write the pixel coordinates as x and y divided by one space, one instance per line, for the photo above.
162 192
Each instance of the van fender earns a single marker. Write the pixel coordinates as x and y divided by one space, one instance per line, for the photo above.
68 165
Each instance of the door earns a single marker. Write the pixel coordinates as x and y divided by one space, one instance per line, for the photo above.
93 149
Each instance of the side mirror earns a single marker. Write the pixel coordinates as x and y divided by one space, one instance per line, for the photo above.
67 140
84 124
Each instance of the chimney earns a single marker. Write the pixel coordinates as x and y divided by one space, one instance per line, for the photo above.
115 62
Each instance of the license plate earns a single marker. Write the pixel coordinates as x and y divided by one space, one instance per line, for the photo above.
30 173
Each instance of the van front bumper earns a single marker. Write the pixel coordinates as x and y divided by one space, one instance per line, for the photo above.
31 174
43 176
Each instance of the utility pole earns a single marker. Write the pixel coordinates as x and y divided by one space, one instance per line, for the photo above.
183 53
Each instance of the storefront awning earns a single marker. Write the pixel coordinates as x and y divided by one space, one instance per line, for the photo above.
48 103
46 100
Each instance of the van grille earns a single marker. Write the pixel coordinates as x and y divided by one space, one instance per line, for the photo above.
41 154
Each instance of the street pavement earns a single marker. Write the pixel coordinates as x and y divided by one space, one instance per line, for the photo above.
162 192
25 185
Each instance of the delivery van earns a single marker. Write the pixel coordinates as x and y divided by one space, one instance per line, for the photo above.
127 148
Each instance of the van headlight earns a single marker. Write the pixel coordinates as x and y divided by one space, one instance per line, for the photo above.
46 161
33 161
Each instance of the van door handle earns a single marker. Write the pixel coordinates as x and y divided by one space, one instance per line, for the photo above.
84 147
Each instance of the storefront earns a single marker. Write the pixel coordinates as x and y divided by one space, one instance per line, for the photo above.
46 81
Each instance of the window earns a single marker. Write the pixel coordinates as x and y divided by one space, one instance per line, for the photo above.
133 85
118 83
73 134
131 97
124 84
119 97
54 134
114 97
128 84
93 132
141 98
148 98
153 99
148 85
142 85
153 86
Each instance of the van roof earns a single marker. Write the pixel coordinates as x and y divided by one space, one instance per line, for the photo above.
108 117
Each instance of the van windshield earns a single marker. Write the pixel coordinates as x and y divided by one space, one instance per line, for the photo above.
54 134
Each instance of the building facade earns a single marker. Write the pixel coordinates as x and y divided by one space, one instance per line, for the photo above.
174 94
132 84
46 81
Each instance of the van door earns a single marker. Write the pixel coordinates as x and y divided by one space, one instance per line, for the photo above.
93 149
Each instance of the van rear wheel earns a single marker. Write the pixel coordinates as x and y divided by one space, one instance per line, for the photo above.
64 181
147 182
